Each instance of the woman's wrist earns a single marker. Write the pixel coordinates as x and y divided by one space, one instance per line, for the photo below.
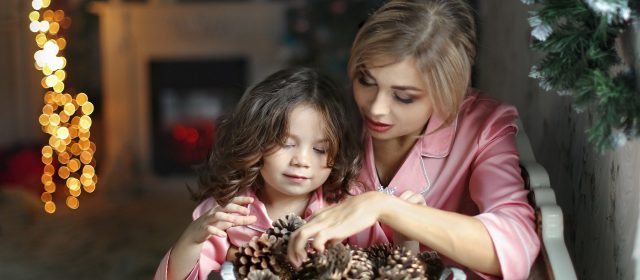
381 205
392 207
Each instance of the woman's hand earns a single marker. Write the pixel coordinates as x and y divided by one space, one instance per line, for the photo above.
335 223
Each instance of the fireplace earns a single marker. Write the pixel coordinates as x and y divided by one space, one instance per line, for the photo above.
218 48
186 98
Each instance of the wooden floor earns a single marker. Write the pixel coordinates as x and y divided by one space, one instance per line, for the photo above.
108 237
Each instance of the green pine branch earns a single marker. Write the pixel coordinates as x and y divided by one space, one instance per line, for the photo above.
579 56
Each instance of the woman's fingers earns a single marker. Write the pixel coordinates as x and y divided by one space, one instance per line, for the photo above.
321 230
320 237
336 223
296 249
298 241
333 242
327 232
322 240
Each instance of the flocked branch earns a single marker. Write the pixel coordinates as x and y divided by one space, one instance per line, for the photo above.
577 38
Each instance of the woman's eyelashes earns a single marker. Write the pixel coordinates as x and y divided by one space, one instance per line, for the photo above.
402 99
366 81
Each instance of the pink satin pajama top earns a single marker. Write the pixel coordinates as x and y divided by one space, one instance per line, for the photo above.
471 167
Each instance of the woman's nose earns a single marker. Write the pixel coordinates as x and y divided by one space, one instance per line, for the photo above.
379 105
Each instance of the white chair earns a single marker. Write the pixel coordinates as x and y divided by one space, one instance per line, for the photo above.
554 261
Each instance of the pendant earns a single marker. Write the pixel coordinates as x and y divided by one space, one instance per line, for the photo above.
388 190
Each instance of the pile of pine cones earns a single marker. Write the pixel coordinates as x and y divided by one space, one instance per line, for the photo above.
264 258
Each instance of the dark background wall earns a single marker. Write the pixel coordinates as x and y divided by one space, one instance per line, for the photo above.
599 193
125 229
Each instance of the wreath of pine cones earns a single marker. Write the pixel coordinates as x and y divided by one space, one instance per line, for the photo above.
264 258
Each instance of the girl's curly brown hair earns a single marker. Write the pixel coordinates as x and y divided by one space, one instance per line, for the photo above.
259 123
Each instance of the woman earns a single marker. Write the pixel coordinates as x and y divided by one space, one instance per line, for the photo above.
441 156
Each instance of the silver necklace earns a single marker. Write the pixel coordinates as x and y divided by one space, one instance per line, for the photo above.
392 190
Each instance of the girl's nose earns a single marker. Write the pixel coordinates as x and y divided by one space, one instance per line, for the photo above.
300 158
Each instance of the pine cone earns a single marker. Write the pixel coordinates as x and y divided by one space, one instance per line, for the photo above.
261 275
331 264
284 226
402 264
379 254
360 266
432 263
279 251
257 255
397 273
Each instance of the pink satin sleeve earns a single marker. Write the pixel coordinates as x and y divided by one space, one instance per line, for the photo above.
213 254
496 186
163 269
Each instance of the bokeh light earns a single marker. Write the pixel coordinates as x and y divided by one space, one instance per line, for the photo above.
69 153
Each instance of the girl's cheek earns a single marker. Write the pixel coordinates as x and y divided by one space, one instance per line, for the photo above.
325 162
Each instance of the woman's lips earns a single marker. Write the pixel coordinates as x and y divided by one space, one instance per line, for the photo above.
377 126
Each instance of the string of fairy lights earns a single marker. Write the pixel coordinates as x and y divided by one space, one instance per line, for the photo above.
68 157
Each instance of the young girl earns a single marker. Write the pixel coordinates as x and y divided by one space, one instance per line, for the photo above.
286 148
432 140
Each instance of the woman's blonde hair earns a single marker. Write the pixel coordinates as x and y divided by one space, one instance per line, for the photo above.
438 34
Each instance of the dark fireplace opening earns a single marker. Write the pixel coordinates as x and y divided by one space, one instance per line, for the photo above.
186 98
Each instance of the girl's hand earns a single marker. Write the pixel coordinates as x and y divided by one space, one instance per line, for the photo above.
217 220
335 223
186 251
398 238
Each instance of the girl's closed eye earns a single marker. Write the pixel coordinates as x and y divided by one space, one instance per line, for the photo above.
320 150
321 147
289 144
